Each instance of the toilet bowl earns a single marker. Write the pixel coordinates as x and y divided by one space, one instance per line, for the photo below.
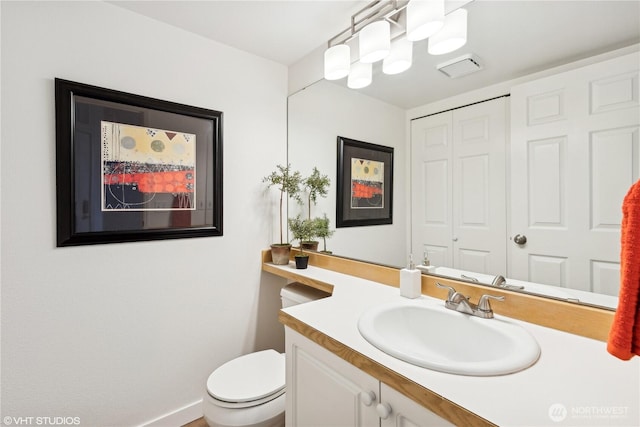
249 391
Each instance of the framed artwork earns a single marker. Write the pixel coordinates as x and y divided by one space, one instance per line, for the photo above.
365 184
131 168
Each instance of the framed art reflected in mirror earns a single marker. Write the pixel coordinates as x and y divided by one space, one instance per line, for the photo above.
132 168
364 184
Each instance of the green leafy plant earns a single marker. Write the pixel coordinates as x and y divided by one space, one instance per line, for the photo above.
321 229
286 181
317 186
302 230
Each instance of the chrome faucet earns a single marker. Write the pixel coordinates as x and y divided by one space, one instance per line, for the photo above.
500 282
458 302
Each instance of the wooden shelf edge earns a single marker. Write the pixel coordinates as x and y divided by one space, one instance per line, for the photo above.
292 275
586 321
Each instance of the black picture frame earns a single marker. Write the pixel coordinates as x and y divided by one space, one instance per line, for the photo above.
364 192
133 168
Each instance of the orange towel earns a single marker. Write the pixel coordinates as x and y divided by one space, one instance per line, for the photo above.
624 337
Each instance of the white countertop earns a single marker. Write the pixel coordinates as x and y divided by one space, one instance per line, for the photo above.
573 372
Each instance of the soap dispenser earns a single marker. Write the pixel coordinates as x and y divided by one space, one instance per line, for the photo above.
410 281
426 264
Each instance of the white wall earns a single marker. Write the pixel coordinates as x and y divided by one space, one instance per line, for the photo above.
121 334
317 115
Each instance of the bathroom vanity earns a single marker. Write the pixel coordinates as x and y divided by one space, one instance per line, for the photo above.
335 376
328 390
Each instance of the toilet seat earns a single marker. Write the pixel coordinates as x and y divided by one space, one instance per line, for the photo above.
249 380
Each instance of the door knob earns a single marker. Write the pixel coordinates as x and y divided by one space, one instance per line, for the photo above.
520 239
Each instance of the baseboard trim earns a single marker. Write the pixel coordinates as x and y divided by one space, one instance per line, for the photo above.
179 417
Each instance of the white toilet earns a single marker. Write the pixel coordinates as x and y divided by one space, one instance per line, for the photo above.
249 391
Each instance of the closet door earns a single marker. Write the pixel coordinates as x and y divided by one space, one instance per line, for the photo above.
479 215
458 187
432 188
574 154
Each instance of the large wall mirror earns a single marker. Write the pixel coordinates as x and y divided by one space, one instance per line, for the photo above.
513 40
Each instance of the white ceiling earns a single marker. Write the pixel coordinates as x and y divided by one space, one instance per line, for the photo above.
511 38
283 31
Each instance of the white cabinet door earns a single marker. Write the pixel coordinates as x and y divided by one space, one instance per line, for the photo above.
458 192
324 390
574 153
404 412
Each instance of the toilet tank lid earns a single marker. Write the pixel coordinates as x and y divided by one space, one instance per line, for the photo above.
299 293
250 377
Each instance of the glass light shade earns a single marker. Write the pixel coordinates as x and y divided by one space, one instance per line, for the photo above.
374 41
399 58
452 36
337 61
424 18
360 75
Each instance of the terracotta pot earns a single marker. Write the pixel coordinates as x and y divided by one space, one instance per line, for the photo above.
280 253
302 261
310 245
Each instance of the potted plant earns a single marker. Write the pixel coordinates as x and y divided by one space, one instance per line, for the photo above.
302 230
316 185
322 231
286 181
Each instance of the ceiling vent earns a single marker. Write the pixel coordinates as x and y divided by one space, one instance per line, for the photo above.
460 66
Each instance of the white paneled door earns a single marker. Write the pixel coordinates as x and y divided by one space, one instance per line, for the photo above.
574 154
432 188
458 187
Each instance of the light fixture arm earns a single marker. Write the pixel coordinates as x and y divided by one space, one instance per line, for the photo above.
390 10
375 11
412 20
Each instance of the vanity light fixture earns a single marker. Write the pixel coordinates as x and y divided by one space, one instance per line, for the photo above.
452 36
385 30
375 42
400 57
337 62
361 75
424 18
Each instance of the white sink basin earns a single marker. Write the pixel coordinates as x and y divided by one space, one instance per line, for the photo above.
425 333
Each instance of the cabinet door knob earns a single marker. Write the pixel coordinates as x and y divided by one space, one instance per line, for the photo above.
367 398
384 410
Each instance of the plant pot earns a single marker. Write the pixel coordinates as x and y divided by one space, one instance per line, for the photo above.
280 253
302 261
310 245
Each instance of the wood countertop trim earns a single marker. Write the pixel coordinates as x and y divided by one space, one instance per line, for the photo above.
423 396
578 319
590 322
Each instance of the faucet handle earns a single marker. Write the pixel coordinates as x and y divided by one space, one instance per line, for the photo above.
483 304
451 290
499 281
